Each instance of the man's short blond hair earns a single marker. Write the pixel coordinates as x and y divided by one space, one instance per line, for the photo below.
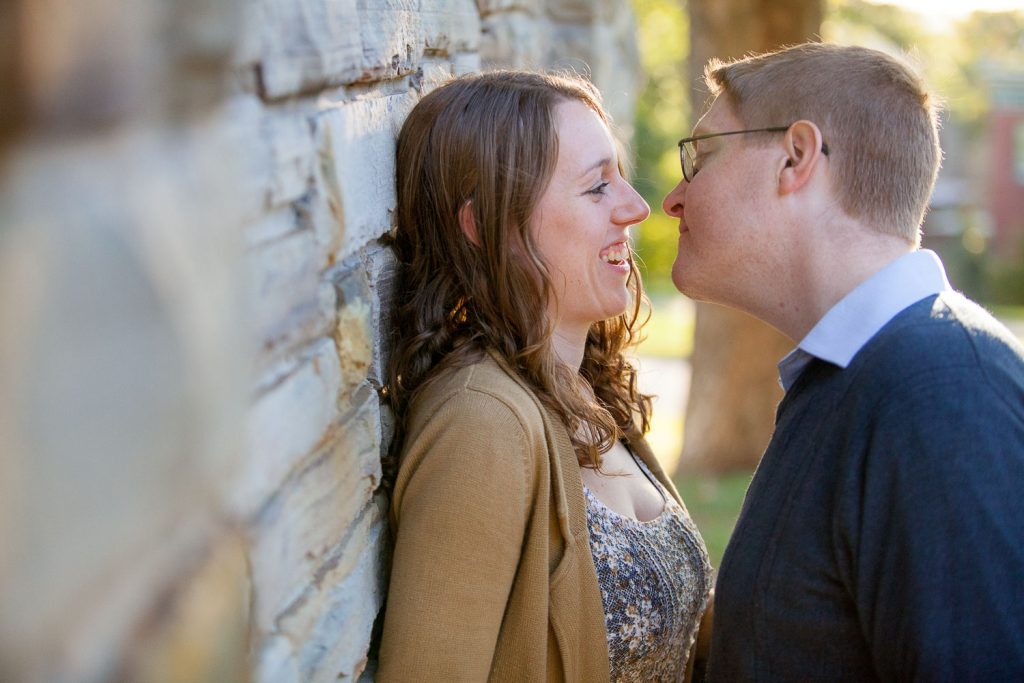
874 112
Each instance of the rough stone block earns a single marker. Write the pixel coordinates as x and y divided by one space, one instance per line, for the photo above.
271 226
288 422
379 265
198 629
355 174
307 44
357 324
512 40
465 62
450 26
295 534
392 37
489 7
582 12
288 131
619 74
331 626
253 156
123 366
275 661
289 302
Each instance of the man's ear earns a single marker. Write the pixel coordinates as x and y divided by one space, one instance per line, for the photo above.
467 223
803 144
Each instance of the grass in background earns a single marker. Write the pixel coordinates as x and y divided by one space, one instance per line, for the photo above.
714 503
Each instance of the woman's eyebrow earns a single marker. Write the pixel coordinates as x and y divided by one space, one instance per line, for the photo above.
597 164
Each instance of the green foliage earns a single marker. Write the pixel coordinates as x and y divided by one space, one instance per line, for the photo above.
1006 280
952 59
669 332
714 504
984 41
663 115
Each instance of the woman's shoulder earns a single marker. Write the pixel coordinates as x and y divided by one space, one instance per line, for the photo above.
481 389
473 419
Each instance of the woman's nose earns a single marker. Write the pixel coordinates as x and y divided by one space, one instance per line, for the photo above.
634 209
673 202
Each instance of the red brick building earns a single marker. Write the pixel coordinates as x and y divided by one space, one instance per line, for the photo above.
1006 170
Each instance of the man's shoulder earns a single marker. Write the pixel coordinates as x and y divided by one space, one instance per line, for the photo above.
943 333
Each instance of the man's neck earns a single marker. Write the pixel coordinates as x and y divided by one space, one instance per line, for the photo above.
826 271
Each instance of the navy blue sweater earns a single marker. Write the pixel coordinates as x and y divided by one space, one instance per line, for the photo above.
882 536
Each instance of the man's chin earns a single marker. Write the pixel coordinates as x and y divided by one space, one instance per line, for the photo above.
682 283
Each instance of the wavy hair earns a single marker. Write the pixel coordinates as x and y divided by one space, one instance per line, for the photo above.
490 140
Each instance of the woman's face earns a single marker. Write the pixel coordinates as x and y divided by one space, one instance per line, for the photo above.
581 224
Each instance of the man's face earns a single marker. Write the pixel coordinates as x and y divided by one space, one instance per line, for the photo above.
724 241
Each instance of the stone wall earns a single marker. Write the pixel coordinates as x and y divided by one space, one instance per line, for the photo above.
192 290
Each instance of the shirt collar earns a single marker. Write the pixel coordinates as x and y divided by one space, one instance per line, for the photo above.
858 316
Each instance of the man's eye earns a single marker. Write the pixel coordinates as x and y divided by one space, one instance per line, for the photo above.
697 163
598 190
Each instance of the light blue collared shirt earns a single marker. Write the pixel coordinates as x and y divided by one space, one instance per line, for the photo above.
859 315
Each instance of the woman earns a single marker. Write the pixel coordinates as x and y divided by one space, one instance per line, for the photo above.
536 537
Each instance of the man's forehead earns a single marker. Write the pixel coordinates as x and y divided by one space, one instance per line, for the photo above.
718 118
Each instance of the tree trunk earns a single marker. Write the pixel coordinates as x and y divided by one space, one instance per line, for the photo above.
734 388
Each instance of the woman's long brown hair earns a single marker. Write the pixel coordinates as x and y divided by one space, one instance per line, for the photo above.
491 140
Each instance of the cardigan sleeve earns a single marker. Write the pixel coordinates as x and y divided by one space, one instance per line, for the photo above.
938 532
459 512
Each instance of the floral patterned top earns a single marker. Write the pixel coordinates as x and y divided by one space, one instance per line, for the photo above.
654 578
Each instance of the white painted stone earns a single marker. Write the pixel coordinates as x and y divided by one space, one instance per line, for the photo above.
253 156
380 264
287 129
581 12
512 40
334 621
488 7
275 661
355 173
122 356
465 62
271 226
308 44
307 519
450 26
392 37
289 302
286 424
357 323
249 44
618 73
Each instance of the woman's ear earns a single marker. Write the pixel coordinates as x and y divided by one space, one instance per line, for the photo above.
804 149
467 223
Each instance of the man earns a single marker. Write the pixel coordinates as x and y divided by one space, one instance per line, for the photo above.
882 536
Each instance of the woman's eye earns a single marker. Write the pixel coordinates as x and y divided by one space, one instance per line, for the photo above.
599 190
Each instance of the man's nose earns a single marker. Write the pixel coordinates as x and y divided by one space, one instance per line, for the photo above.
673 202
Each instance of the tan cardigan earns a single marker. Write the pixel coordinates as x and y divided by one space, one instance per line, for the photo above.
492 576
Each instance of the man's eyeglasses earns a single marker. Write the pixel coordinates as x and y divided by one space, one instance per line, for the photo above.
688 152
